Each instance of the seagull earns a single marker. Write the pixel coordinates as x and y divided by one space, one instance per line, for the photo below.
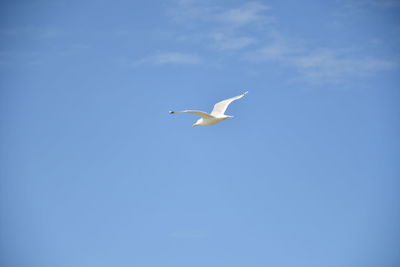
216 115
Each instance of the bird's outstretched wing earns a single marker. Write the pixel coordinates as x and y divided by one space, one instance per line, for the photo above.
197 112
220 107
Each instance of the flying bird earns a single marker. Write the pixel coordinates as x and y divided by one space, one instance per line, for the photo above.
216 115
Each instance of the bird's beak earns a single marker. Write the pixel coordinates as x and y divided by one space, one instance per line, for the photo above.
194 124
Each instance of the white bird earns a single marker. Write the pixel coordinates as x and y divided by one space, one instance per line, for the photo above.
216 115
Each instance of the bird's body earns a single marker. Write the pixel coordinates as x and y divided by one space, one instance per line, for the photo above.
216 115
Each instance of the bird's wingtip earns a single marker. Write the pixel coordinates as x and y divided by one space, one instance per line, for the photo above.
245 93
171 112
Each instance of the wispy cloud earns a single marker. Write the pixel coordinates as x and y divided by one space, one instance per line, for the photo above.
320 66
225 42
330 66
32 32
189 10
243 15
387 3
372 3
170 58
273 51
250 30
199 11
213 25
219 27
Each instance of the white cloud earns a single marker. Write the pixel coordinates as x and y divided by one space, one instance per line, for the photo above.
320 66
188 10
198 11
218 27
273 51
176 58
330 66
387 3
246 14
372 3
237 28
226 42
170 58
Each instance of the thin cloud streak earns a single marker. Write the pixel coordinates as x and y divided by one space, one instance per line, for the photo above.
246 14
372 3
237 29
273 51
226 42
329 66
170 58
319 66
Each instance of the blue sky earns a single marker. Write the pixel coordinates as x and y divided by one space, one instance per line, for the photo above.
95 172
